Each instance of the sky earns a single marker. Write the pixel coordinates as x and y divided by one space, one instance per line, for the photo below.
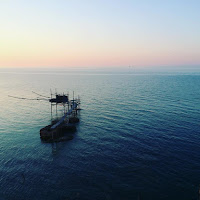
99 33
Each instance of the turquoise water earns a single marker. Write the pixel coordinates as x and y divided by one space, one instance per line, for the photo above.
138 136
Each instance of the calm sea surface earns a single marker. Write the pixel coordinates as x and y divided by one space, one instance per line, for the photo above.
139 135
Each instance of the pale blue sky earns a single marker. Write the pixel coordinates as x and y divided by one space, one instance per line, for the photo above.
99 32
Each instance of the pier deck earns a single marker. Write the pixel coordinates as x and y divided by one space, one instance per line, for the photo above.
74 106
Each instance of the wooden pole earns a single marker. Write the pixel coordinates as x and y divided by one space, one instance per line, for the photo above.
51 107
56 111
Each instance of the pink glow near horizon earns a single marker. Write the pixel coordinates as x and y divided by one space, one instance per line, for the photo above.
51 34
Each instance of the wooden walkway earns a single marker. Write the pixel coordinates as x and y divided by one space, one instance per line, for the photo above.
74 106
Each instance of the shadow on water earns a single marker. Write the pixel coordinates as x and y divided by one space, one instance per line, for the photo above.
55 143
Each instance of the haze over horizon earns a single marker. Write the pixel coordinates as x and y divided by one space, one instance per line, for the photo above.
99 33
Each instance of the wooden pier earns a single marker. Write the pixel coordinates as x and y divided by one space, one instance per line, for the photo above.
60 129
66 125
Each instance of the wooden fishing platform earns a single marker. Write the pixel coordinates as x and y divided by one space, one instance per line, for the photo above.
63 128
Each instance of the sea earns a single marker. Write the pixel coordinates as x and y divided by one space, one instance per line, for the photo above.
138 136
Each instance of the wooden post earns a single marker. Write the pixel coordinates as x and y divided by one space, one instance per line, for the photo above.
51 112
56 111
51 107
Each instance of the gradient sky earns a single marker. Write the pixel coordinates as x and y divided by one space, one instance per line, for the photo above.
99 33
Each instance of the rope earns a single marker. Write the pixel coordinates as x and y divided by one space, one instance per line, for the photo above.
37 99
